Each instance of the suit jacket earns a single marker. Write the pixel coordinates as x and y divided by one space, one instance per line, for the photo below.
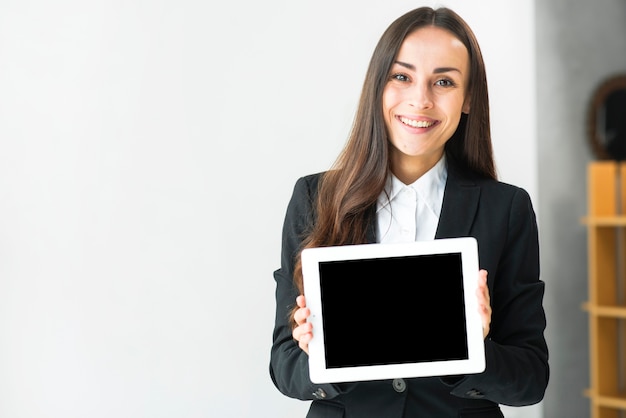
502 219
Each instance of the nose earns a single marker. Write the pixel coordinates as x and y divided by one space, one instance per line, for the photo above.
421 96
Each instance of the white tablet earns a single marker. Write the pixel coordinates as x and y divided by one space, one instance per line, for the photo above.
383 311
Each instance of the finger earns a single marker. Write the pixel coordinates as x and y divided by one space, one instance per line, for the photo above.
304 342
484 302
303 336
303 332
301 315
482 278
485 316
483 290
300 330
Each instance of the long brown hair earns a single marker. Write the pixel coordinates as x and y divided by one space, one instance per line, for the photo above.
348 191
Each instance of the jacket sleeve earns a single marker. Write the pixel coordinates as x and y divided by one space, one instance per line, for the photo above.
288 363
516 352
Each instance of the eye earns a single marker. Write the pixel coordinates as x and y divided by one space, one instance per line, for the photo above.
445 82
400 77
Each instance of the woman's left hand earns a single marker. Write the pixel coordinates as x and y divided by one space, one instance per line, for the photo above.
484 302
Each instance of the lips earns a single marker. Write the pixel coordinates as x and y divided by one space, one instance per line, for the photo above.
416 123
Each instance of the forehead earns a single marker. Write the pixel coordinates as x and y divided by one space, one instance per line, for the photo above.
435 46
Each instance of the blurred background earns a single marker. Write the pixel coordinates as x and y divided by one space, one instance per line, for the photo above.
148 150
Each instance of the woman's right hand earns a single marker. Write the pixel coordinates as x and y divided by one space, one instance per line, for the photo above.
303 332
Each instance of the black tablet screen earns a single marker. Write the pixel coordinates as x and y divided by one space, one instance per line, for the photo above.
393 310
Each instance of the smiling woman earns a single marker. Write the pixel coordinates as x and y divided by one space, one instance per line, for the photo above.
418 165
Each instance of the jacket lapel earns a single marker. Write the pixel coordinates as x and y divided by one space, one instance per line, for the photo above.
460 203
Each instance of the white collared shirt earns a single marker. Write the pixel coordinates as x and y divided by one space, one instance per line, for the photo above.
406 213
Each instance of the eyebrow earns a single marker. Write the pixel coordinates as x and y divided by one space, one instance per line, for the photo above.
435 71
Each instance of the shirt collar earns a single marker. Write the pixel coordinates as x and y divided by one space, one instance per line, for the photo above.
430 187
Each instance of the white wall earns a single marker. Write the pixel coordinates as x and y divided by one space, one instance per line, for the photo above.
147 154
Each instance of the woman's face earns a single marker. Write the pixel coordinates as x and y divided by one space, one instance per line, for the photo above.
423 99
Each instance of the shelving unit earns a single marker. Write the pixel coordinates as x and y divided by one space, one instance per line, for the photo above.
606 226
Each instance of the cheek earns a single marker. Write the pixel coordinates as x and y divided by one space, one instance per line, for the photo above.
466 106
391 99
391 95
386 107
385 100
455 106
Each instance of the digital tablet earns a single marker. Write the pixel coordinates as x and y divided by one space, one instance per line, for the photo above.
383 311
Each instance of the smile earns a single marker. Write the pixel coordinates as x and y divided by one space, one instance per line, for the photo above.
416 123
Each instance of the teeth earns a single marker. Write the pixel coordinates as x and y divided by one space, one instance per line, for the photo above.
416 123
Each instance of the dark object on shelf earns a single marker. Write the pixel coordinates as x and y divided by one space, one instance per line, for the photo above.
607 119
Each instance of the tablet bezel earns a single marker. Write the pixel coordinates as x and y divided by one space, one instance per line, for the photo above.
465 246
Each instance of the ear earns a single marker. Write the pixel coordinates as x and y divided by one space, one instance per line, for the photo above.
466 105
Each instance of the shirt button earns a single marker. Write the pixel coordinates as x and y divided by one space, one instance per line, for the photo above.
399 385
319 394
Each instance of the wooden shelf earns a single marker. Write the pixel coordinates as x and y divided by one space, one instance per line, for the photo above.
607 221
608 311
616 401
606 236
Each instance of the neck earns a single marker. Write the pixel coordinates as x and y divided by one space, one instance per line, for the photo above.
408 169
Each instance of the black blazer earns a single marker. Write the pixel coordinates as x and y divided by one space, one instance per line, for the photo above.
502 219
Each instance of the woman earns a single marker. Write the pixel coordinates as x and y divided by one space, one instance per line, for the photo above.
422 127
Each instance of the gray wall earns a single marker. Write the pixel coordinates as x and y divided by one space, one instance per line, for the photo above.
579 44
